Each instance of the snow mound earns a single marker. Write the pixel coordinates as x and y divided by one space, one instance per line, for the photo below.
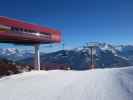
100 84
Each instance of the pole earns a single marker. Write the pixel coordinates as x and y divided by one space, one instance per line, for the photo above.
37 57
92 58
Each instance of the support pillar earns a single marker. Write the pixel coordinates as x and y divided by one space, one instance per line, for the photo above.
92 57
37 57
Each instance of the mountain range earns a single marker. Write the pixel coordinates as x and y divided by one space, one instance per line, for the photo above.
107 55
14 54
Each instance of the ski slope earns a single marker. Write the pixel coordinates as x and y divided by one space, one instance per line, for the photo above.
100 84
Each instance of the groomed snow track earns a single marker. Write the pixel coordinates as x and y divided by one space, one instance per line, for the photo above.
100 84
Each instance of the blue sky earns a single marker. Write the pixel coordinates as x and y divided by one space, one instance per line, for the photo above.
80 21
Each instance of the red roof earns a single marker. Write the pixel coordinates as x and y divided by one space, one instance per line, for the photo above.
14 37
25 25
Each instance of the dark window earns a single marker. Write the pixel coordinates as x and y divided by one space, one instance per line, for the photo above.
14 29
33 31
45 33
21 29
25 30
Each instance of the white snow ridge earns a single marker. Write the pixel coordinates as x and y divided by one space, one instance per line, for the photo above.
100 84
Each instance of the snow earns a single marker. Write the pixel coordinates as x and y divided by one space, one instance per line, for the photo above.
100 84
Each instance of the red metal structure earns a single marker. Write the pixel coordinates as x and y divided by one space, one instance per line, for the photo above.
23 33
20 32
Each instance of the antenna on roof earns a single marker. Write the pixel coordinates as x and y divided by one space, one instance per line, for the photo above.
63 45
63 48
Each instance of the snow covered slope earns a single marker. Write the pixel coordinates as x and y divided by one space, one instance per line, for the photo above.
100 84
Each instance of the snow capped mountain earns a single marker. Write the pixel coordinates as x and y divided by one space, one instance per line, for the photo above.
15 54
78 58
107 55
99 84
117 50
103 47
8 51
